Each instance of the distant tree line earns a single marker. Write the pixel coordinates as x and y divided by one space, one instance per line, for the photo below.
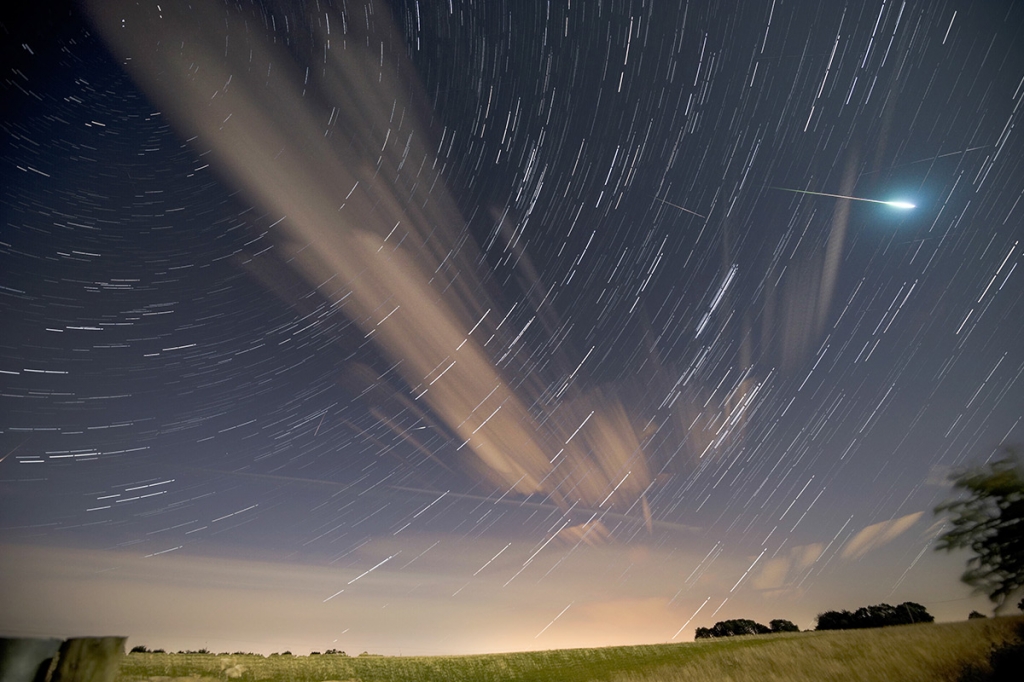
143 649
744 626
876 616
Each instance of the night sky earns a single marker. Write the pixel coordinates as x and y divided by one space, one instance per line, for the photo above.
457 327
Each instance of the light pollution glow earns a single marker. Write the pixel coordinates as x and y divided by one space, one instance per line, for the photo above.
188 602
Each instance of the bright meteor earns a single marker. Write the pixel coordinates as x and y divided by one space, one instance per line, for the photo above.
905 205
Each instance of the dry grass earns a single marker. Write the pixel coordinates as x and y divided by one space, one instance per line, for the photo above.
929 653
911 653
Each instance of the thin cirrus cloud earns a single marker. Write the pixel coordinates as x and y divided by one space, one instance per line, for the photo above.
878 534
781 574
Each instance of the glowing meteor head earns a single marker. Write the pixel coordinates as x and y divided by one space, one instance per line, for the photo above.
905 205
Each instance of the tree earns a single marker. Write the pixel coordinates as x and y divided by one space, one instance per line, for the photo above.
879 615
990 522
835 620
744 626
732 628
876 616
975 614
910 612
782 625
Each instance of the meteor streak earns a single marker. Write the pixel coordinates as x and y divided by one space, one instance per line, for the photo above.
686 210
905 205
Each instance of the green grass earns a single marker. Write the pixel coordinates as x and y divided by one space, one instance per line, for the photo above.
929 653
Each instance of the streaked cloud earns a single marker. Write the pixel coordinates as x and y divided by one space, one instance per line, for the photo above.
349 163
877 535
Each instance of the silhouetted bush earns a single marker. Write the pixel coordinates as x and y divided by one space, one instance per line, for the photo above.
140 649
975 614
1006 663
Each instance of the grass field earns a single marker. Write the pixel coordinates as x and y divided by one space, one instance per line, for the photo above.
929 653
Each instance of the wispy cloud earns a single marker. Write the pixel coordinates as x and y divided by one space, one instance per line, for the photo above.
877 535
345 155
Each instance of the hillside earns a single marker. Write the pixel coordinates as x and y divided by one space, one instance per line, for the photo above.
928 653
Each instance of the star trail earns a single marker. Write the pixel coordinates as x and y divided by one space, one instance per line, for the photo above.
405 327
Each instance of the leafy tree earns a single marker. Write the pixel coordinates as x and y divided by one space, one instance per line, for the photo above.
990 522
975 614
781 625
875 616
835 620
913 612
739 626
744 626
732 628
